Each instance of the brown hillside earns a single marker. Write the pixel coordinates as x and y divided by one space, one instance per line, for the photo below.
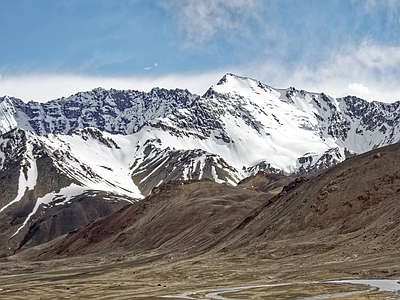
353 207
176 216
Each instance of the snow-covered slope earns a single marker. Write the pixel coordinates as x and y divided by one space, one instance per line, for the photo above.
50 174
40 180
296 131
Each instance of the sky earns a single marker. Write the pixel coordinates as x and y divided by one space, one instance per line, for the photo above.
55 48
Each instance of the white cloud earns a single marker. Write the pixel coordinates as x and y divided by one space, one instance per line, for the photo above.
45 87
368 70
358 89
376 66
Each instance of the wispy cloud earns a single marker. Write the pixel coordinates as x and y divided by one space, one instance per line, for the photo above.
367 70
201 20
153 66
371 5
373 65
387 11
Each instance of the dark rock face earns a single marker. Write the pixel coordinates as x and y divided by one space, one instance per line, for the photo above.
30 172
52 222
8 185
330 158
180 165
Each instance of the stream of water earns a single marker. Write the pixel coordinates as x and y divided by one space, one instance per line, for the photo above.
384 285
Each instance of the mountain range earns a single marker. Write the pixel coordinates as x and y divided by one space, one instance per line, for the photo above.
72 160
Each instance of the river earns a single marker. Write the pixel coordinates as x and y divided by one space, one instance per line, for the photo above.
384 285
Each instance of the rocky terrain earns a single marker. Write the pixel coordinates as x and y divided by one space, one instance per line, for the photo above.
120 145
352 206
207 240
245 192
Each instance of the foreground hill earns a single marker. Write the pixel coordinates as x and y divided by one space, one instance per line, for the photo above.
351 208
177 216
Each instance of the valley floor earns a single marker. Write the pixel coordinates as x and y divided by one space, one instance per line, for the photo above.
209 276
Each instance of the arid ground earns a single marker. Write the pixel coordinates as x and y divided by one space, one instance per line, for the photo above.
156 275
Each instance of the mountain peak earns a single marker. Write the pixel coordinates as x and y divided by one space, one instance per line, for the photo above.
4 98
99 89
230 78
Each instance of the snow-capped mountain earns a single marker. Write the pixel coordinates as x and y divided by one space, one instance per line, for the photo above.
245 122
121 144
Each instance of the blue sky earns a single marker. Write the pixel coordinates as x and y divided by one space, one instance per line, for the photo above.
54 48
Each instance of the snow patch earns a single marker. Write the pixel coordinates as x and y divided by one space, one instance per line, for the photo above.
27 176
7 111
64 195
215 175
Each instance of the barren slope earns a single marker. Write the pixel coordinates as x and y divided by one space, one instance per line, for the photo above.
352 207
177 216
204 240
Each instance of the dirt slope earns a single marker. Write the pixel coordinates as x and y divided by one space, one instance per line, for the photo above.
176 216
351 208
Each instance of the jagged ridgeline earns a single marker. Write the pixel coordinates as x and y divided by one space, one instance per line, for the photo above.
113 147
